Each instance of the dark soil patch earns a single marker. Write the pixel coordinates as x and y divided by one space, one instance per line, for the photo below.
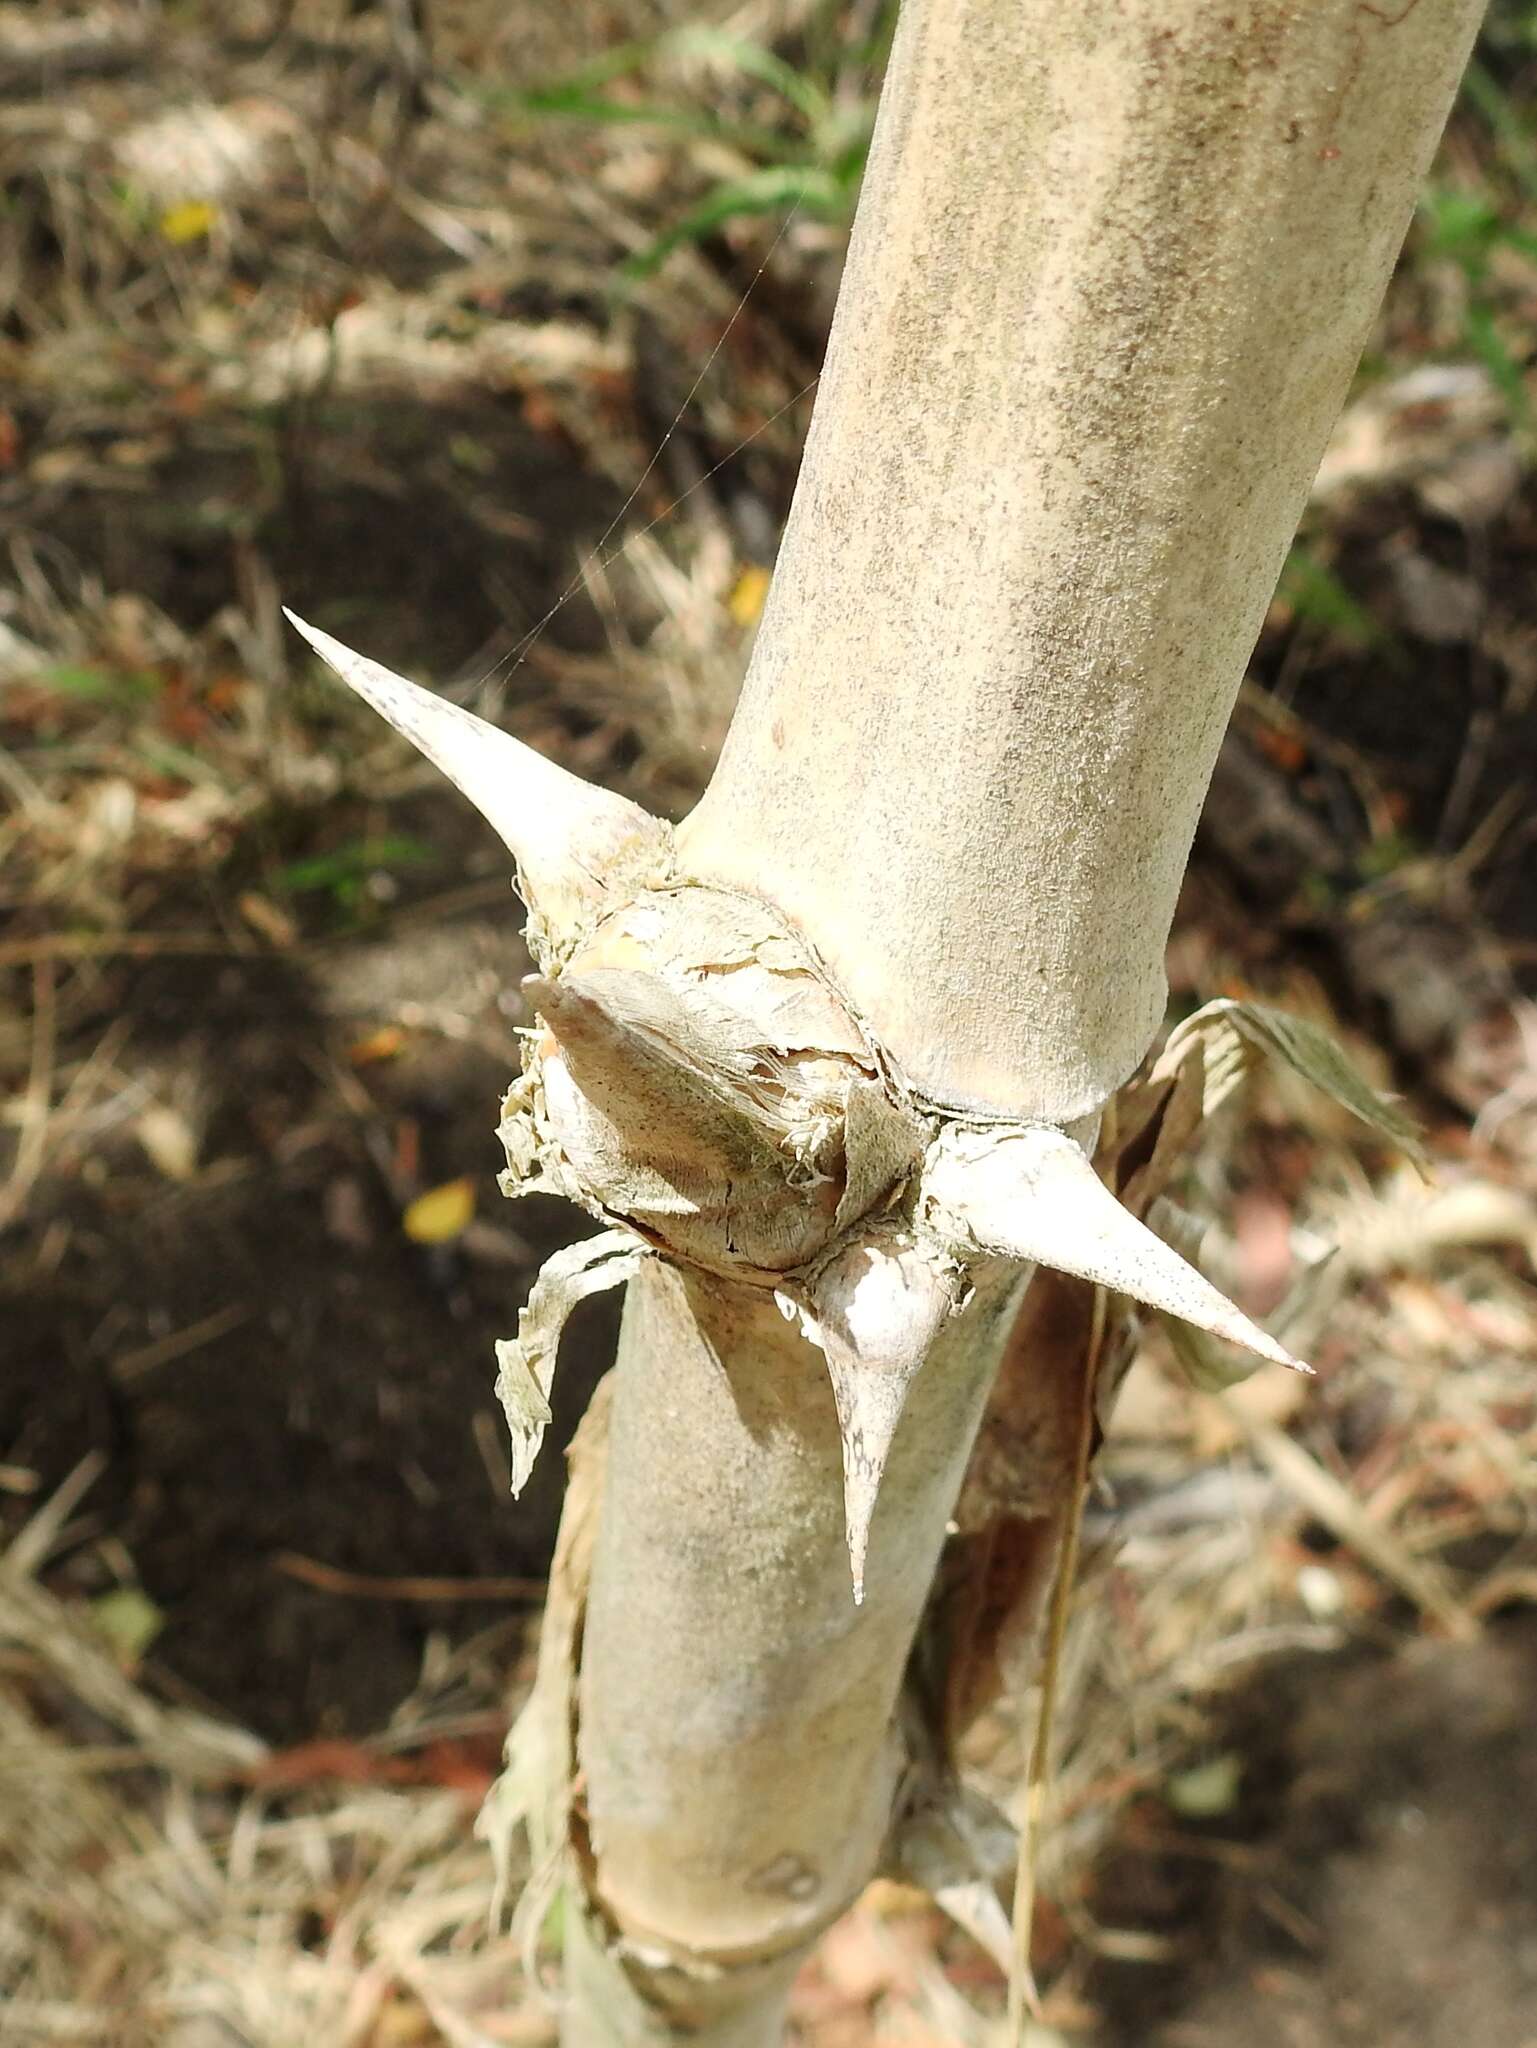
1376 1886
1430 721
342 1406
445 523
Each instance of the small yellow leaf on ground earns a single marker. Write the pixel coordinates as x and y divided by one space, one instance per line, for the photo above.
441 1213
748 593
384 1044
188 222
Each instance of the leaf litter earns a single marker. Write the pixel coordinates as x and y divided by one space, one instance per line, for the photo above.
144 1854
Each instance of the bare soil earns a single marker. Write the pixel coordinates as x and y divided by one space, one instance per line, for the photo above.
341 1406
1376 1885
275 1378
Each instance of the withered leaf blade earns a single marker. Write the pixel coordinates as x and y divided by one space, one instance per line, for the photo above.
1234 1035
526 1363
954 1844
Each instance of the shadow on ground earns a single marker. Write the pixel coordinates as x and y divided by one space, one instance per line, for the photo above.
1376 1883
263 1360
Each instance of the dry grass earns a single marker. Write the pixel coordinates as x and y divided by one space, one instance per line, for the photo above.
230 233
168 1879
163 1883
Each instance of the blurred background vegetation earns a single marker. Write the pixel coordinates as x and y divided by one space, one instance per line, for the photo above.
486 336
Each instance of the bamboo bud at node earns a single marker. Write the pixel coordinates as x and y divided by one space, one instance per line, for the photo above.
693 1083
701 1084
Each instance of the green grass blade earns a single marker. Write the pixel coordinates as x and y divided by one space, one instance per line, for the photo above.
777 187
753 60
575 102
